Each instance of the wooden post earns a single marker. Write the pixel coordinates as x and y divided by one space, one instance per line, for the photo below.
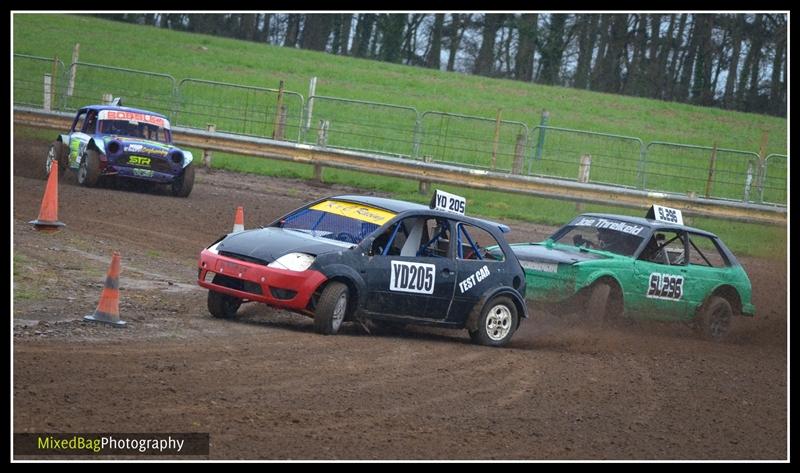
519 154
583 175
748 181
53 82
712 164
71 83
425 186
322 140
496 137
281 122
47 90
211 128
278 113
107 99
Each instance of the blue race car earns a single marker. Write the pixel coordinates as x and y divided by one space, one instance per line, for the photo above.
110 140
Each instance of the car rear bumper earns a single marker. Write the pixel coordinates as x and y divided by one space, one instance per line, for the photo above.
276 287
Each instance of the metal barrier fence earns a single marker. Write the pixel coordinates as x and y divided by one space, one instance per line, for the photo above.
361 125
398 130
557 152
240 109
29 72
473 141
774 181
141 89
700 170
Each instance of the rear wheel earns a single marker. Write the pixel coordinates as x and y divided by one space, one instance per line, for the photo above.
182 186
497 323
223 306
331 308
89 170
714 320
603 304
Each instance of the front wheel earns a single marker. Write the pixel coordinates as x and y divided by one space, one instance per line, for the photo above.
498 322
714 320
182 186
603 304
331 308
89 170
56 153
223 306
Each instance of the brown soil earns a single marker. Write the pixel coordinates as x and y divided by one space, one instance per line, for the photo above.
267 387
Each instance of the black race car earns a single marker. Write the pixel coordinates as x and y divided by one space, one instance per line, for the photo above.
358 258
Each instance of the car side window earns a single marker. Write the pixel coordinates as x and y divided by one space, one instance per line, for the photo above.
415 237
475 243
703 251
665 247
91 122
78 124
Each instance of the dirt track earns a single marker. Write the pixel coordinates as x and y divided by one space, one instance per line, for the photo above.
267 387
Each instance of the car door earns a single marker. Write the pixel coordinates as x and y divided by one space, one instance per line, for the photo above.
661 278
79 137
401 280
708 268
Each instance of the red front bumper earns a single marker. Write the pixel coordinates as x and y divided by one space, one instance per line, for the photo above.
274 283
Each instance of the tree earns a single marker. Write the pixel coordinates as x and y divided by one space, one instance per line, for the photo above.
391 28
736 25
587 35
363 34
523 63
316 31
455 33
553 50
292 31
484 64
433 57
702 94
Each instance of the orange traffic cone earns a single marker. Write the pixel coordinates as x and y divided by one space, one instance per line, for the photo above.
238 222
108 309
48 213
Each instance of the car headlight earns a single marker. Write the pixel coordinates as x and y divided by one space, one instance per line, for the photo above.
293 262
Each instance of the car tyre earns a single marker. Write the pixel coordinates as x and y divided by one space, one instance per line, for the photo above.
223 306
498 321
89 170
182 186
58 152
603 304
714 320
331 308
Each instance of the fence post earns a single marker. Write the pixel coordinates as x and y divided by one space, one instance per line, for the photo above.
496 137
542 126
748 181
211 128
312 89
417 136
641 168
519 154
281 122
276 131
107 99
761 169
71 83
322 140
424 186
47 90
583 175
53 83
712 164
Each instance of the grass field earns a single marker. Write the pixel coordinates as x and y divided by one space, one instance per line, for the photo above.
185 55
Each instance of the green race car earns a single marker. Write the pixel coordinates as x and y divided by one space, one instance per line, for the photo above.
610 266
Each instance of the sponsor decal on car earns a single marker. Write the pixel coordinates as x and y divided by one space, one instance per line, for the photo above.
609 224
133 117
539 266
474 279
665 286
356 211
139 160
418 278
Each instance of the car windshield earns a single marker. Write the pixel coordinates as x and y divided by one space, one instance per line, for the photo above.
606 234
134 129
337 220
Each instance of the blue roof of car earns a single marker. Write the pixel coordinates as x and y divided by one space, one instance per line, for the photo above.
124 109
398 206
649 223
